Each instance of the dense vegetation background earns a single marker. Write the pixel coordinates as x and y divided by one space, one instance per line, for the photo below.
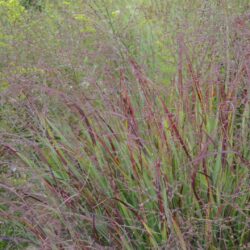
124 124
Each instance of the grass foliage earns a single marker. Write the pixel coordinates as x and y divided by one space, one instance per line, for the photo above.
124 124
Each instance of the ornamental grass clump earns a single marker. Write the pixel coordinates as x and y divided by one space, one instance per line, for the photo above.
98 155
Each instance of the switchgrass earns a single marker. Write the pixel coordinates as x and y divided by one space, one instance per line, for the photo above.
128 154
